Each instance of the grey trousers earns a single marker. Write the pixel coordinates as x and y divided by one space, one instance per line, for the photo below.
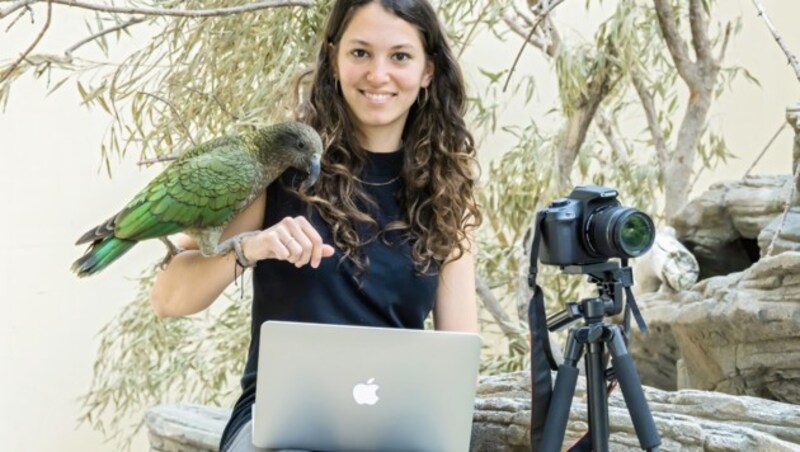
243 442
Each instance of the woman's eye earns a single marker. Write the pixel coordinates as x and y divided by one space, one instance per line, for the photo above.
359 53
402 56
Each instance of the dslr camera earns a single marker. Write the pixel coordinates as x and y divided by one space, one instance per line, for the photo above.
590 226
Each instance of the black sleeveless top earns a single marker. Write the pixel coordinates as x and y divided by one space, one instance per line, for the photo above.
389 294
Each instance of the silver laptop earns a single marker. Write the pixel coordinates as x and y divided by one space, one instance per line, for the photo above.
346 388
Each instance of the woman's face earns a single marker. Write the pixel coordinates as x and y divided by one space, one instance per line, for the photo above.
381 66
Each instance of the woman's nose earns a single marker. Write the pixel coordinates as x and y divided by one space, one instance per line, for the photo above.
378 71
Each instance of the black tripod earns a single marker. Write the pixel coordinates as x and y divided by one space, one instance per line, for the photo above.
592 338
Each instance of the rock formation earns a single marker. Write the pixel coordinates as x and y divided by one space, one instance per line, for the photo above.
736 334
723 227
735 330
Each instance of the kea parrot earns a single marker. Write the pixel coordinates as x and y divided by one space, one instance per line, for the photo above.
201 191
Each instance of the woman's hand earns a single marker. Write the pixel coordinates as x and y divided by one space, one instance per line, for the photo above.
291 239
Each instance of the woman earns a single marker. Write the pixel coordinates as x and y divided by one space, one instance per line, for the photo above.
382 239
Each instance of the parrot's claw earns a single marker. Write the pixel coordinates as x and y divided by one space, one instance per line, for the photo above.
172 251
228 245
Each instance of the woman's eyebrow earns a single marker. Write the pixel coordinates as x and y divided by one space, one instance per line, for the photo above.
361 42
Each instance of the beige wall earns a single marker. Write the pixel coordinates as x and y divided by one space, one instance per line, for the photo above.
52 192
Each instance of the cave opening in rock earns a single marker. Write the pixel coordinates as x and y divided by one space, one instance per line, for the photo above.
734 256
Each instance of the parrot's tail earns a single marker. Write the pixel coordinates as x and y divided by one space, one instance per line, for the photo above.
100 255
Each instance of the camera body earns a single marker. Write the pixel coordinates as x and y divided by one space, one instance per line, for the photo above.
589 227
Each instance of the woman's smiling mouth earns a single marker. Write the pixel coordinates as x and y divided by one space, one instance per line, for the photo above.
376 97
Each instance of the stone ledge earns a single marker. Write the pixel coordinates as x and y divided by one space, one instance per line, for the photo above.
687 420
185 427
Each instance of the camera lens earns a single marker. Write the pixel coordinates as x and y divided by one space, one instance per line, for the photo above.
620 232
636 233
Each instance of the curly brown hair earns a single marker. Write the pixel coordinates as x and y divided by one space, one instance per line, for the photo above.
439 168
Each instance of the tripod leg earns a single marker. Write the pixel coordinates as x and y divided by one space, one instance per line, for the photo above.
596 397
561 400
631 387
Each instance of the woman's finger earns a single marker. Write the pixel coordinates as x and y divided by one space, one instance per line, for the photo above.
277 247
316 248
298 243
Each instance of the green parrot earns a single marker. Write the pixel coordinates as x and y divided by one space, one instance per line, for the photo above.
201 191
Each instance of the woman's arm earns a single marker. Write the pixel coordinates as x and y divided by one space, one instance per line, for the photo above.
456 306
191 281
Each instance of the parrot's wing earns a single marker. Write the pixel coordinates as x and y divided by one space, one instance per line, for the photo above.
200 191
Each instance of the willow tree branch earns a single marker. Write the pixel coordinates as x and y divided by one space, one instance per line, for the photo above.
791 56
176 112
148 162
21 14
662 152
555 37
212 97
786 208
473 29
522 14
544 13
764 151
492 305
14 7
606 128
580 119
675 44
517 28
33 45
164 11
699 28
102 33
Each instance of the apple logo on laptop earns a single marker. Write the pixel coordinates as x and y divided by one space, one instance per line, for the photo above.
366 393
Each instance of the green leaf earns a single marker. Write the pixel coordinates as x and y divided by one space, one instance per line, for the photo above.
750 77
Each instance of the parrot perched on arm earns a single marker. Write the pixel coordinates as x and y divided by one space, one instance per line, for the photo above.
201 192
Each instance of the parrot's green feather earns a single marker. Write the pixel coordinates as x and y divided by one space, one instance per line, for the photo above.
182 196
102 254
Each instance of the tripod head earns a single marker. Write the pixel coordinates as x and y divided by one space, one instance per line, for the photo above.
611 279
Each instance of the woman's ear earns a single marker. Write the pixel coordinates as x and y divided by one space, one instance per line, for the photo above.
427 74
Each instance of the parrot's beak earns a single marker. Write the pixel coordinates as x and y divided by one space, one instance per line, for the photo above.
313 172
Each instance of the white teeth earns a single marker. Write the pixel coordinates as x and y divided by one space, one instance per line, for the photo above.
378 97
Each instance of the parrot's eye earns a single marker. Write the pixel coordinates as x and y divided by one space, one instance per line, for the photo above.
301 144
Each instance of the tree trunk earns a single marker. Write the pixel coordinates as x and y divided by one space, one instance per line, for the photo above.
574 136
678 173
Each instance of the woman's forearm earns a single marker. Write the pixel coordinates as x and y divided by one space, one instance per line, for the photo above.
191 282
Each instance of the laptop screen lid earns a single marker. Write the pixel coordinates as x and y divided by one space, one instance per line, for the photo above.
333 387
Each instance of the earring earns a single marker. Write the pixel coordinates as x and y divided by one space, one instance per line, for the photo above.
422 98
